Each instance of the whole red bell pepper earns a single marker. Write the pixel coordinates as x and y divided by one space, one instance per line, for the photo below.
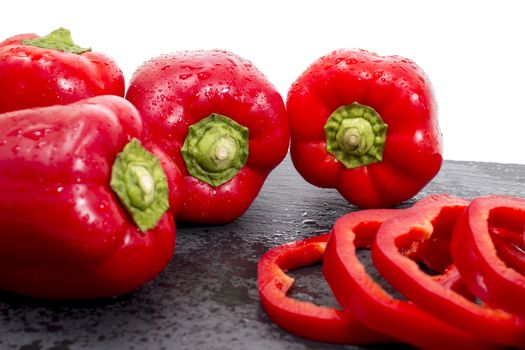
83 203
304 318
222 123
366 301
43 71
492 269
366 125
409 240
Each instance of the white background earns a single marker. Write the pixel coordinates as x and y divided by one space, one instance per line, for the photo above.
472 51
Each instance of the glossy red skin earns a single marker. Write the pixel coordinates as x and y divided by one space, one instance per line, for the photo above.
484 261
38 77
511 254
173 92
415 228
366 301
303 318
64 233
400 92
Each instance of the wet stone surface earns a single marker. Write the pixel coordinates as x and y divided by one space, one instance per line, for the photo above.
207 297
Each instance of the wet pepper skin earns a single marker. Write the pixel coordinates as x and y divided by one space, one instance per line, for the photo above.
173 92
399 91
35 77
64 233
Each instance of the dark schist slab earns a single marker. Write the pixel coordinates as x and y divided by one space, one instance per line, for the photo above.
207 297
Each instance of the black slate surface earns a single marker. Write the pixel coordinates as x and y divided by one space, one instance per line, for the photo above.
207 297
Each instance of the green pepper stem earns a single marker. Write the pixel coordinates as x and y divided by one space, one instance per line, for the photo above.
355 135
140 185
215 149
139 181
225 149
59 39
351 139
222 153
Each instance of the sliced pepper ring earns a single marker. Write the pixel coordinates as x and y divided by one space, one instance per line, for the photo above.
493 266
401 241
303 318
366 301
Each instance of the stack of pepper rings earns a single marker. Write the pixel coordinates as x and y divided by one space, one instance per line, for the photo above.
459 265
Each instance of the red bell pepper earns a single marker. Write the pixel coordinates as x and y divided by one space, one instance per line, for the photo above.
222 123
303 318
83 204
44 71
366 301
494 275
404 241
365 125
